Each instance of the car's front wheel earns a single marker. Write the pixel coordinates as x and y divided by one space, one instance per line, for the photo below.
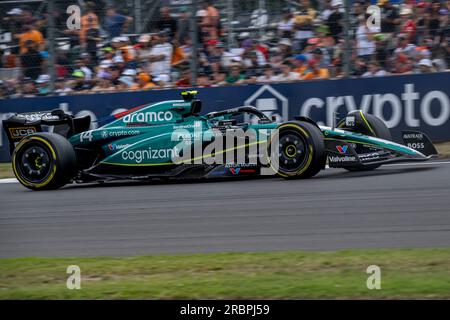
297 150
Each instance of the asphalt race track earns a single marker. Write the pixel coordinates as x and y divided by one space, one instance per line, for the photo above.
394 206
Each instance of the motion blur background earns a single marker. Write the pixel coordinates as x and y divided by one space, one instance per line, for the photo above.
152 44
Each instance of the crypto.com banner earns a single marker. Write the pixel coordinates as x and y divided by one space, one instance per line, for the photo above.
418 102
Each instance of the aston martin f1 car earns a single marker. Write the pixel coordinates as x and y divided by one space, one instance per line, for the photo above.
171 140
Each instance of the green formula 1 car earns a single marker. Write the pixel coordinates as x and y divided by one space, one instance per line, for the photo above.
171 140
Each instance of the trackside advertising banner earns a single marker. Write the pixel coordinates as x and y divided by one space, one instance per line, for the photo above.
420 102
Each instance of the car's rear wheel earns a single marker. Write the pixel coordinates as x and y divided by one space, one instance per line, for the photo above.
44 161
297 150
369 125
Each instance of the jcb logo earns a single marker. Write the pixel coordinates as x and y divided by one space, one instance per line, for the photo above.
17 133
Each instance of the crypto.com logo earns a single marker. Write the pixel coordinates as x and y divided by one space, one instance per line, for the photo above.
374 20
74 20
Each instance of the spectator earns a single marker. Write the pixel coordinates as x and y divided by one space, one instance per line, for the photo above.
303 24
165 23
116 23
125 82
30 38
203 80
374 70
160 58
334 19
314 71
390 18
210 20
61 87
89 21
143 82
425 66
286 73
103 85
31 60
286 25
43 85
268 75
28 89
186 78
402 64
235 75
434 19
300 64
408 25
364 40
249 50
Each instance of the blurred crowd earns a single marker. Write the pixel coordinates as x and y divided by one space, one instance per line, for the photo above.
308 42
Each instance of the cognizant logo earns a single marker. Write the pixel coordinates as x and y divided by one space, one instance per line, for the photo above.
140 155
149 116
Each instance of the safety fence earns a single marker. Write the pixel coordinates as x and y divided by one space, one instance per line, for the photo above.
76 46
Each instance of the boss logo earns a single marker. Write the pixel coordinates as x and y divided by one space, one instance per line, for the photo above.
17 133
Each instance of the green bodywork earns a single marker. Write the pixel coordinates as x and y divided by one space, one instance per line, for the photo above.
144 137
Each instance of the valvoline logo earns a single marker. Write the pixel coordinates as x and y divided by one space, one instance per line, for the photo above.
235 170
342 149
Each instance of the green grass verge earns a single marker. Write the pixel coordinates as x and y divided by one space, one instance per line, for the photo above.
444 149
6 171
405 273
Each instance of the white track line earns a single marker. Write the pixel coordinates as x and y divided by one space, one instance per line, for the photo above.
418 163
14 180
10 180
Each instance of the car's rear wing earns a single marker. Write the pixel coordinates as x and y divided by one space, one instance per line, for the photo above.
21 125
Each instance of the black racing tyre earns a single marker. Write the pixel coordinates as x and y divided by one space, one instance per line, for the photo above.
374 127
301 150
44 161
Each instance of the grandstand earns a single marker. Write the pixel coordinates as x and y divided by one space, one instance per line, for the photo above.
149 45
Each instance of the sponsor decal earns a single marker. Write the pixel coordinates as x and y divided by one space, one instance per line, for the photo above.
404 107
148 117
240 165
338 159
237 170
181 104
86 136
342 149
196 124
18 133
116 147
416 145
269 101
143 155
350 121
37 116
120 133
413 136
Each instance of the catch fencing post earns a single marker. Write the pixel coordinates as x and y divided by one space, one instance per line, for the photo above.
347 47
51 44
194 38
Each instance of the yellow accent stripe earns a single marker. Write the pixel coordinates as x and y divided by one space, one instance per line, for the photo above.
367 123
27 183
